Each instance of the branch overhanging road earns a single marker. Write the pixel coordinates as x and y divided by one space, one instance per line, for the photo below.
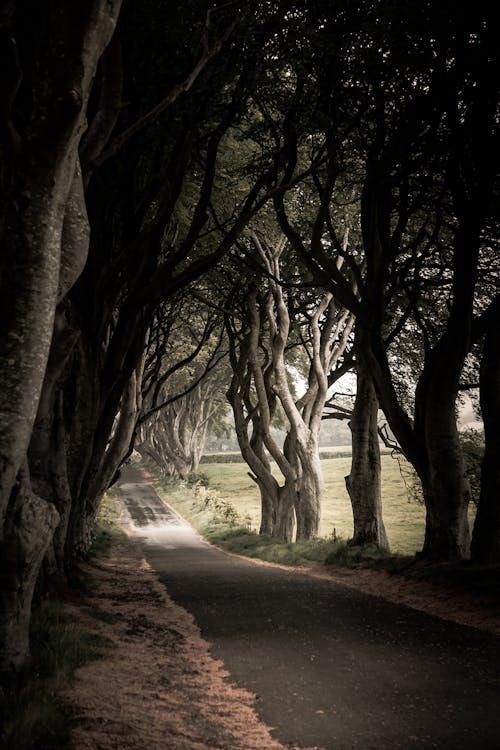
331 666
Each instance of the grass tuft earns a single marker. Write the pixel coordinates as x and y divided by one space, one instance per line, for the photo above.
356 556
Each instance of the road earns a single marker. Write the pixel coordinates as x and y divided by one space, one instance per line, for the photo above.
332 667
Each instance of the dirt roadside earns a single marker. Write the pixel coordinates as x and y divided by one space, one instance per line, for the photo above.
159 687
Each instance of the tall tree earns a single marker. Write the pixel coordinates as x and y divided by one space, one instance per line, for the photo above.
50 56
421 122
275 323
143 246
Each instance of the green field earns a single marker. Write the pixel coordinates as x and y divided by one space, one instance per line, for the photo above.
404 520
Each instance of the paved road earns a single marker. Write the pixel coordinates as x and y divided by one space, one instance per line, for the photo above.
331 667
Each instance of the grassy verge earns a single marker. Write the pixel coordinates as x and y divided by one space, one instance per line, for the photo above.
218 520
32 715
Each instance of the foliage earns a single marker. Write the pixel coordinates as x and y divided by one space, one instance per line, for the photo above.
32 716
472 442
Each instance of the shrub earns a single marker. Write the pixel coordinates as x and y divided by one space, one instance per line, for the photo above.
222 509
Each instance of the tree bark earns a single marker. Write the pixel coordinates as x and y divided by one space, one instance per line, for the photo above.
27 534
44 193
485 546
309 493
364 481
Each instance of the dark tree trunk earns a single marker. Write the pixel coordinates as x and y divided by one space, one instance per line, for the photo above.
27 534
446 487
364 482
485 547
42 210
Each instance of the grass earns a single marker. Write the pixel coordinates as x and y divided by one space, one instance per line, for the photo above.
107 528
32 715
404 520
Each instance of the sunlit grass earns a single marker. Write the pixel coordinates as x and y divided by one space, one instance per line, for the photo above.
404 519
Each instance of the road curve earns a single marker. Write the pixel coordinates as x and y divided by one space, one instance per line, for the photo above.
332 667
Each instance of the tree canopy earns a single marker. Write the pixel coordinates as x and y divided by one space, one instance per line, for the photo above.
313 178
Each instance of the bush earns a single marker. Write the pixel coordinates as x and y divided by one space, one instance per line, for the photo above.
222 509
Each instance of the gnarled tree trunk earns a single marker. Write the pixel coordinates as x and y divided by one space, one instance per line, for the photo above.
364 481
485 546
309 489
43 190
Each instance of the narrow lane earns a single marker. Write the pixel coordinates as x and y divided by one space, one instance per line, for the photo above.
331 667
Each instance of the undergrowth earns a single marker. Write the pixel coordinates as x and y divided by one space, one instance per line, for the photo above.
32 716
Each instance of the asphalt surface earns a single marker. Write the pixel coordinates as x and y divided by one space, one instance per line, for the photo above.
332 667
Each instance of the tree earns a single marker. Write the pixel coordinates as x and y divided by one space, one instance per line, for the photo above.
421 122
50 55
485 547
364 480
182 387
275 324
75 375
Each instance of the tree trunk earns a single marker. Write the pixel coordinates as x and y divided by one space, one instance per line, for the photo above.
28 533
44 192
266 512
485 547
364 482
283 515
309 493
446 487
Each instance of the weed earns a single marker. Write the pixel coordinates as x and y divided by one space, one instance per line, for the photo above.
223 510
197 479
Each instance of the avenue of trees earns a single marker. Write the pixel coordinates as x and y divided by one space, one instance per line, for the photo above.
210 198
